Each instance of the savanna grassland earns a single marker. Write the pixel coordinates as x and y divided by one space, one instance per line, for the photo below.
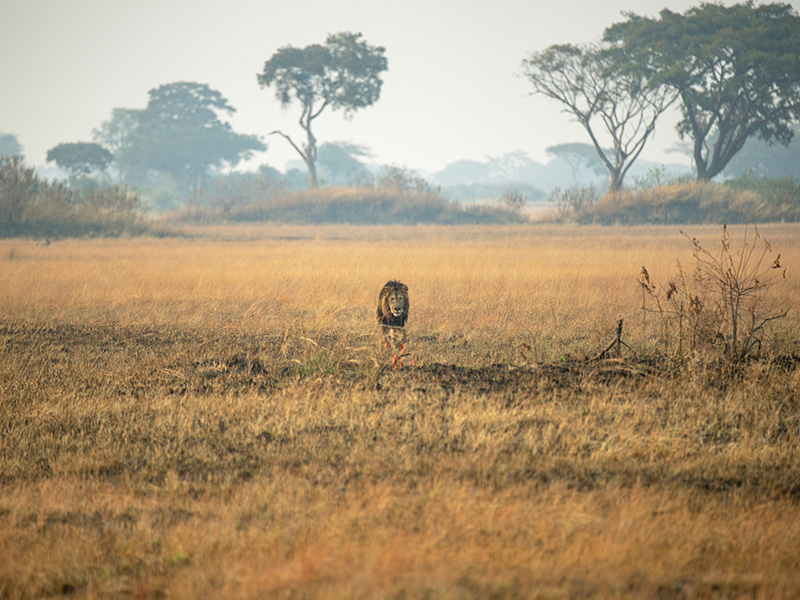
211 416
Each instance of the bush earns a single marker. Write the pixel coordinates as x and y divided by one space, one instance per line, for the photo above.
721 303
743 200
780 195
33 207
356 206
573 201
18 187
231 197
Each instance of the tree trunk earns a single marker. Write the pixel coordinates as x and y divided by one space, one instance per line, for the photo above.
312 174
311 154
615 184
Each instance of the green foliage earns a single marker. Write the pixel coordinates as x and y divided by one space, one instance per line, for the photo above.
80 158
765 159
9 145
181 134
339 163
591 84
115 133
33 207
736 70
344 74
578 155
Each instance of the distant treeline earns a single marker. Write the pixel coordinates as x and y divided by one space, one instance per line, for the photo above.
33 207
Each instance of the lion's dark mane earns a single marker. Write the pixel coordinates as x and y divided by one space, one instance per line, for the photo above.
385 316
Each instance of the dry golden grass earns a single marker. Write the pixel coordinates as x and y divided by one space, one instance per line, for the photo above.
211 417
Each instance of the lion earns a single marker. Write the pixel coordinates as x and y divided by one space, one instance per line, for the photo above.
392 314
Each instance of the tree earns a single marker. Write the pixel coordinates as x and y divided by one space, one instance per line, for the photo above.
577 155
9 145
591 84
344 74
80 158
339 161
736 70
762 159
115 133
180 133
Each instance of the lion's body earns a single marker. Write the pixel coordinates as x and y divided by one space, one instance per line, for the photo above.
393 313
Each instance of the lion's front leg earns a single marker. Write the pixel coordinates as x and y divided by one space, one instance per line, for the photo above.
393 337
397 335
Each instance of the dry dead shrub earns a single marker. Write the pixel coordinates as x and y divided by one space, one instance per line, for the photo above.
722 302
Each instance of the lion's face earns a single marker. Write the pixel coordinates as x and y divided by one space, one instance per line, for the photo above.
393 304
396 300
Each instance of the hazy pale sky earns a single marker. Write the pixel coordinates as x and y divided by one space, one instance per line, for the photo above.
452 91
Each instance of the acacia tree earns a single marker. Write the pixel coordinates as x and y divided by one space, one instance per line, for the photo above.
736 70
80 158
589 81
577 155
343 74
340 161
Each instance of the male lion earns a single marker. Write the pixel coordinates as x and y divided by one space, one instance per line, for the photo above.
393 313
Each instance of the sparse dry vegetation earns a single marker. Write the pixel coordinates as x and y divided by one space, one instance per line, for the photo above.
30 206
719 305
367 205
212 416
741 200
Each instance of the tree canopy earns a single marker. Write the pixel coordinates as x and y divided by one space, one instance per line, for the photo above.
736 70
115 134
80 158
9 145
180 133
577 155
762 159
339 161
589 81
344 74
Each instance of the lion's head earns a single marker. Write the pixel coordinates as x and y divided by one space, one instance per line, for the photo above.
393 304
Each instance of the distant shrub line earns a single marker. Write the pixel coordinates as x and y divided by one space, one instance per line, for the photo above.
742 200
33 207
357 206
